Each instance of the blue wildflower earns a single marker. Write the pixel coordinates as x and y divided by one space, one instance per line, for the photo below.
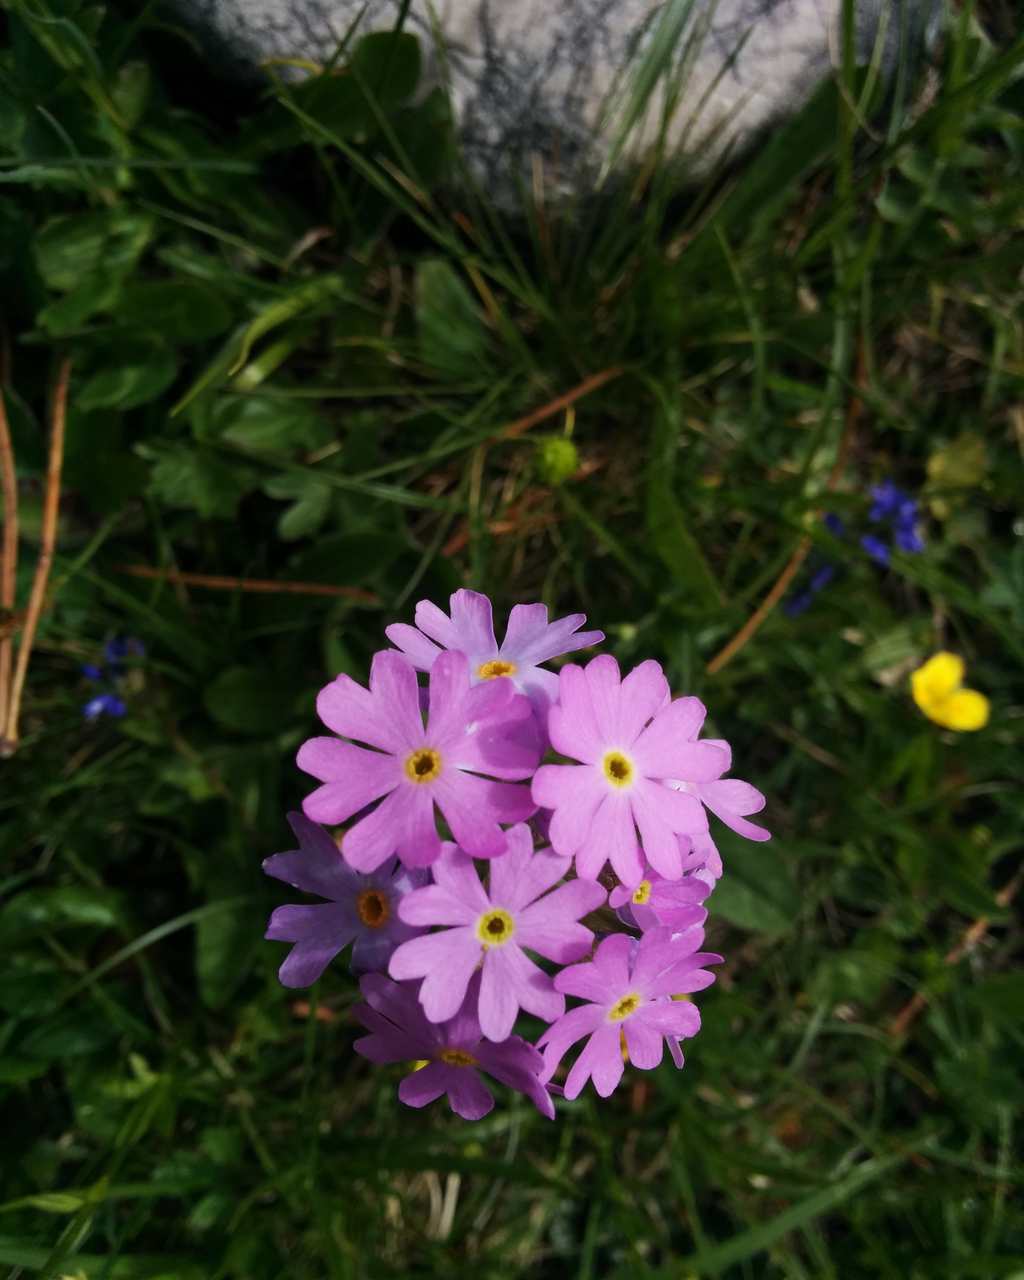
104 704
875 548
92 672
833 524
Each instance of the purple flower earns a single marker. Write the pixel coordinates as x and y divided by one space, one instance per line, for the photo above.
656 901
886 500
104 704
822 577
470 731
529 640
630 740
490 928
833 524
92 672
626 985
360 909
453 1054
875 548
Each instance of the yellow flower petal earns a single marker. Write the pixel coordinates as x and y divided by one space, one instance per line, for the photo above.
937 679
964 711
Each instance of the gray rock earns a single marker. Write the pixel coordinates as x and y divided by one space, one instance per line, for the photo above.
551 78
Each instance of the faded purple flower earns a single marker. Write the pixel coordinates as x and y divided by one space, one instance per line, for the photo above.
529 640
470 731
490 929
453 1054
104 704
676 904
361 909
626 985
630 739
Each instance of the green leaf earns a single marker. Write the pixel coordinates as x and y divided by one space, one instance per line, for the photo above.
312 501
69 1034
179 310
247 699
452 338
137 372
34 910
225 948
669 534
72 247
387 66
269 424
756 891
193 478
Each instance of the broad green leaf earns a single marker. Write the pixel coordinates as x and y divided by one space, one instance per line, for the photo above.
311 501
269 424
72 247
32 910
183 476
179 310
452 338
247 699
756 890
225 948
135 373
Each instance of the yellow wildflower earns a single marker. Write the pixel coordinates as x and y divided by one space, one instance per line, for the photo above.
938 690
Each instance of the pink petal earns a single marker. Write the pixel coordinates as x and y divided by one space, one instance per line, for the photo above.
434 905
601 1060
351 711
728 798
575 792
527 625
661 752
676 1018
396 696
549 925
643 1043
445 961
357 777
498 998
612 961
374 838
643 692
679 809
563 1034
435 623
675 726
508 748
418 650
416 840
449 688
520 875
464 799
473 622
572 726
455 873
612 839
659 841
531 986
682 979
604 687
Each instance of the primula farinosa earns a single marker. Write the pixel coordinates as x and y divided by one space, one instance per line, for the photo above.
491 929
361 909
677 904
529 640
447 1057
630 1013
409 768
631 740
459 916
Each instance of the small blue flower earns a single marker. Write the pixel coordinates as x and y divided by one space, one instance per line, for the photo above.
104 704
908 539
122 647
798 604
875 548
887 499
822 577
833 524
92 672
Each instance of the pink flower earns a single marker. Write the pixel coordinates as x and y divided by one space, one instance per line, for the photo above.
656 901
360 909
529 640
729 799
490 928
630 739
469 732
628 986
453 1053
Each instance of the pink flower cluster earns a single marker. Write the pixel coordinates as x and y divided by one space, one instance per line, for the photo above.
502 908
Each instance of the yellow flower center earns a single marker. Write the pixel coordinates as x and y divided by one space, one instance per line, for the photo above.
496 667
618 768
457 1058
373 908
623 1007
495 928
642 893
423 765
